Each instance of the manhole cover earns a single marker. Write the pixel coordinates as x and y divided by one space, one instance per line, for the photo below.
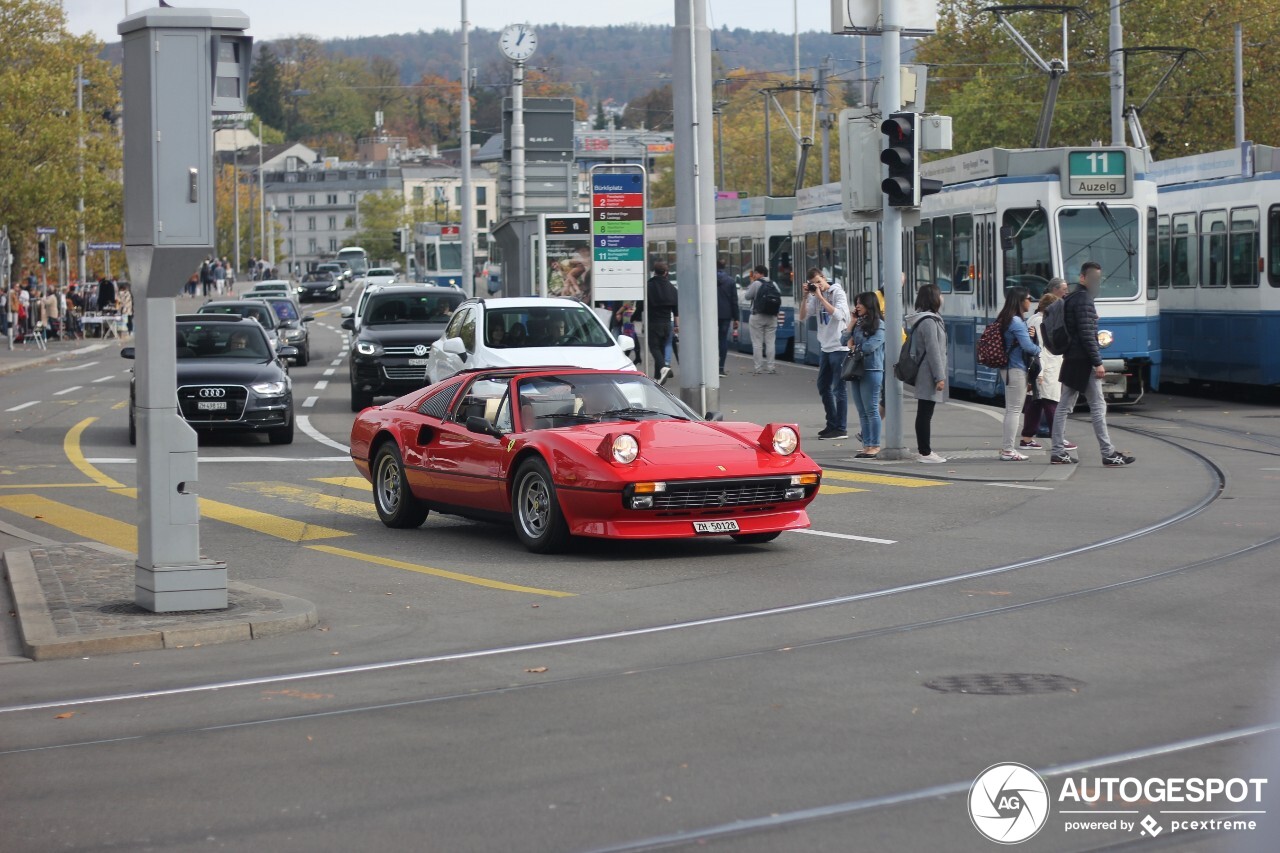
1004 683
129 608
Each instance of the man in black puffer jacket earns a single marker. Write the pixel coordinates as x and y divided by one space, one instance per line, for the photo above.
1082 372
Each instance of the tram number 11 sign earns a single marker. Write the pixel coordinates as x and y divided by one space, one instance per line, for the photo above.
1097 173
617 235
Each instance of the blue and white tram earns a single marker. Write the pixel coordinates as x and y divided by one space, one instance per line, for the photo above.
1007 218
749 232
1218 275
437 255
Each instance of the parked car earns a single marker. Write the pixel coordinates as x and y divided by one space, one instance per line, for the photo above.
254 309
229 379
292 326
400 322
526 332
564 452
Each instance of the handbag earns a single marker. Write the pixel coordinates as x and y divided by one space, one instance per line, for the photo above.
854 366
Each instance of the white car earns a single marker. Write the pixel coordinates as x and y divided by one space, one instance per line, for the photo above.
274 287
380 276
526 332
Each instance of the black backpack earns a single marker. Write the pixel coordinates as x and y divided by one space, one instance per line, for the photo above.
1053 329
907 367
768 299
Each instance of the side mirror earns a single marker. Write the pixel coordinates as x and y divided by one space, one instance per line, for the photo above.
349 324
308 318
627 343
346 311
714 416
287 352
454 346
1006 238
479 425
128 352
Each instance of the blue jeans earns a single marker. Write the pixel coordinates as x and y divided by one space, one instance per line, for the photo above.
832 391
866 396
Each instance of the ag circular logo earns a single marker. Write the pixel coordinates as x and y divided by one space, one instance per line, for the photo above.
1009 803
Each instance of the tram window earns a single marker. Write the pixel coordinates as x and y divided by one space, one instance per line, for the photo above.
731 262
1153 250
868 271
840 257
824 253
942 253
1087 234
780 264
1163 266
962 254
1183 263
1213 249
722 249
432 264
1273 246
1028 264
923 266
1244 247
745 263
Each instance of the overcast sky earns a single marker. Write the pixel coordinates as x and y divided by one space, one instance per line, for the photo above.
334 18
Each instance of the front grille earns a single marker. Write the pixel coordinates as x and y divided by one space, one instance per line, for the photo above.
404 373
235 396
713 495
406 351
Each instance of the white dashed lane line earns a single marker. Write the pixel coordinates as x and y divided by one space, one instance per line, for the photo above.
330 371
309 402
73 367
335 362
22 406
322 384
104 378
67 390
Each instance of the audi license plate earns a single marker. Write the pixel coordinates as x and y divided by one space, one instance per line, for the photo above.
211 405
715 527
417 362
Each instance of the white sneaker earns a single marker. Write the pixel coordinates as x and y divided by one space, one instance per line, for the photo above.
1012 456
932 459
663 375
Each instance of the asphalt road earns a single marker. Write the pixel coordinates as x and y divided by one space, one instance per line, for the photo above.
462 694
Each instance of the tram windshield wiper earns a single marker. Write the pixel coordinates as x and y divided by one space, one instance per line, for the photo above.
1115 229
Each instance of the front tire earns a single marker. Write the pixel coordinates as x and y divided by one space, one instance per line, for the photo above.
133 427
283 435
396 504
360 400
539 522
754 538
304 356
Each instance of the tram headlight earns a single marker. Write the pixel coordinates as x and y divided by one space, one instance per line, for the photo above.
1105 338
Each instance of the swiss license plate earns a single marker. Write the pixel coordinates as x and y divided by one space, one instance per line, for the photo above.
417 362
715 527
211 405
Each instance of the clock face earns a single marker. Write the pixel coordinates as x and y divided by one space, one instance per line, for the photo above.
518 42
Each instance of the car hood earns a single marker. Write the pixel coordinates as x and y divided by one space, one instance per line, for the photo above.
398 335
598 358
213 371
316 285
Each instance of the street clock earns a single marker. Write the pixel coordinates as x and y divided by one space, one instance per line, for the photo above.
518 42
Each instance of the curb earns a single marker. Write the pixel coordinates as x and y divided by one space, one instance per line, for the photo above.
988 474
40 361
40 640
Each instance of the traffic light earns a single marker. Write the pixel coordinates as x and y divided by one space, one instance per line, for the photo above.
42 251
904 186
397 239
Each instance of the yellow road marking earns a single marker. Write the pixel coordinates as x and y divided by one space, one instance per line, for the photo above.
440 573
81 522
54 486
880 479
826 489
346 482
261 522
71 446
313 499
118 406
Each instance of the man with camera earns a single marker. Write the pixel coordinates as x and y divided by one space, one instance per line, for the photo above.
827 302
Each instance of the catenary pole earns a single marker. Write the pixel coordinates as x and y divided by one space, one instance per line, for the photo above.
466 231
1117 74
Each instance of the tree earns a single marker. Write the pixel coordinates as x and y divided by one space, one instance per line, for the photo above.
266 88
39 156
652 110
381 213
602 121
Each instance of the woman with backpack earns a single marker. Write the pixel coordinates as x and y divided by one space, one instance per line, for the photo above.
1020 350
868 339
927 347
1045 390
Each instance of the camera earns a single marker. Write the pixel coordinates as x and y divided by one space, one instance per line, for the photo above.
811 286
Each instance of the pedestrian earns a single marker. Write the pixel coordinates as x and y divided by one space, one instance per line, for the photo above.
766 300
206 277
24 309
868 338
726 309
928 347
827 302
1057 287
1043 390
220 277
1021 350
663 303
49 316
1083 372
124 301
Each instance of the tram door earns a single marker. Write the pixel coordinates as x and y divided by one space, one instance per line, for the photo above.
964 333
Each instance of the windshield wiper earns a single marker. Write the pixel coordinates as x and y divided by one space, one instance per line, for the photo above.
1115 228
580 415
634 412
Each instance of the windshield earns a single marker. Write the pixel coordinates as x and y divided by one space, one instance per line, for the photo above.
1087 236
221 340
354 258
450 256
381 272
547 402
544 326
284 309
255 312
389 308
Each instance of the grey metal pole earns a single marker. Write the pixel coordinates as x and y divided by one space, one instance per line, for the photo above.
468 195
866 80
1117 74
262 200
81 259
235 176
695 206
271 240
517 140
826 120
892 444
1239 50
768 150
720 147
795 22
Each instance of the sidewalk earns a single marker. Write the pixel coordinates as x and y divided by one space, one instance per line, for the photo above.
76 600
28 355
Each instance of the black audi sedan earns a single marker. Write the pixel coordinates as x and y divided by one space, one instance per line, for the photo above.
228 378
398 325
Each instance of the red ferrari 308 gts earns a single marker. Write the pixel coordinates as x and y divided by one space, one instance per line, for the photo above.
570 452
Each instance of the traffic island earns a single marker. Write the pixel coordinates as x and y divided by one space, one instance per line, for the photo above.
77 600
